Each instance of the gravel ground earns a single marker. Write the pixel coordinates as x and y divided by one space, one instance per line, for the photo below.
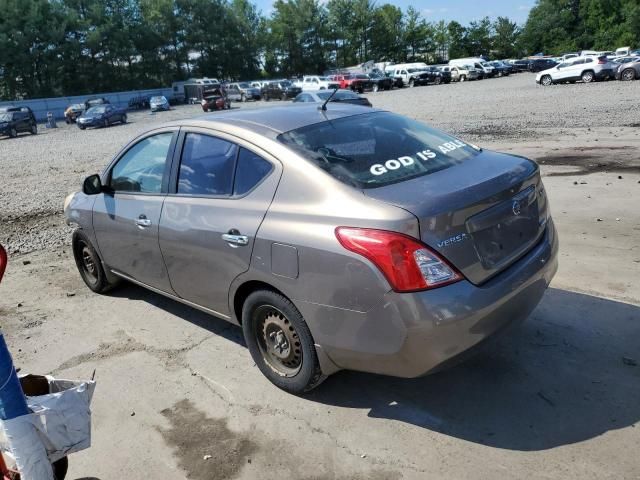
37 172
179 397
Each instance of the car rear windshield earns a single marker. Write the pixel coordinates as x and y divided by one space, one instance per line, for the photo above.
377 149
5 117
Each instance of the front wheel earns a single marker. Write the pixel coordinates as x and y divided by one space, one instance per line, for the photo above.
411 83
243 98
89 264
628 75
438 81
588 77
123 119
105 123
376 87
34 129
463 78
546 80
13 133
280 342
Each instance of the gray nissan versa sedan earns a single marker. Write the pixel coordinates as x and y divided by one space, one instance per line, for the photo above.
349 238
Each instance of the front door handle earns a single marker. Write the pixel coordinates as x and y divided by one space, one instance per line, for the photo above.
235 239
143 221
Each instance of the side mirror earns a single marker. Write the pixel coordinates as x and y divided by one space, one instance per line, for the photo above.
92 185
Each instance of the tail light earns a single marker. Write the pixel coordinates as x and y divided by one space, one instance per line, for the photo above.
407 264
602 61
3 261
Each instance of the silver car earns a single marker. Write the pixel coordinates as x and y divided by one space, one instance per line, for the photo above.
345 238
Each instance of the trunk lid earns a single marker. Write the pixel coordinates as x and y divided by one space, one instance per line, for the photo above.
481 215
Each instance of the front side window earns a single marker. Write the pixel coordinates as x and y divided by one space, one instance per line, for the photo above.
142 167
376 149
207 165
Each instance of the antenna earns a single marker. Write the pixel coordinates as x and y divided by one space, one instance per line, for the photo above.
324 105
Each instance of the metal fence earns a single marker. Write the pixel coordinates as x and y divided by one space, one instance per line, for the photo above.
57 105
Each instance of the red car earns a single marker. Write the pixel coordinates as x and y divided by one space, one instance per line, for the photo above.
357 82
215 100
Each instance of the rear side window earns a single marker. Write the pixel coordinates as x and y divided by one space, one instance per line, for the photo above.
377 149
207 165
250 171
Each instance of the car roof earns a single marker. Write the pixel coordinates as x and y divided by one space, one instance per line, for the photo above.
271 122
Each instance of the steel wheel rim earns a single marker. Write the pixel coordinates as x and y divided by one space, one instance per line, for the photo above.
546 81
89 266
278 341
587 77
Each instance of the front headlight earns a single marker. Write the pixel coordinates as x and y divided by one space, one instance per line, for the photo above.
68 200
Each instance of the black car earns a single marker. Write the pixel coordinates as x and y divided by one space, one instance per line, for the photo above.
101 116
539 65
14 120
501 69
380 82
338 96
443 74
360 82
521 65
283 90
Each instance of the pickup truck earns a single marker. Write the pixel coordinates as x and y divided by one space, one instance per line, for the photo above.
314 82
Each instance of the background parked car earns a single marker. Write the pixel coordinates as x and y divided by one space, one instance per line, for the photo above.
93 102
72 112
102 116
138 103
233 94
539 65
502 69
380 82
522 65
13 122
442 74
315 82
159 103
282 90
340 96
628 69
463 73
215 99
588 69
247 92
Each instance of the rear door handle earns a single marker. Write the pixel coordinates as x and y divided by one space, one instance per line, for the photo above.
143 221
235 239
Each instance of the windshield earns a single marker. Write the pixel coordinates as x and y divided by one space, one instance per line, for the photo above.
96 110
245 85
323 79
376 149
413 70
5 117
157 99
286 83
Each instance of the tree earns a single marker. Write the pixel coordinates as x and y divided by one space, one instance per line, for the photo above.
505 37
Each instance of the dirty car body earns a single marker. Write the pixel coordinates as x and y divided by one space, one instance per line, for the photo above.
398 246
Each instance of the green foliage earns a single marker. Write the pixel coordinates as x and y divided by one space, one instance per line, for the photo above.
73 47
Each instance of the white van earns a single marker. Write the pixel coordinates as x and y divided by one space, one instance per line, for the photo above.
623 52
480 64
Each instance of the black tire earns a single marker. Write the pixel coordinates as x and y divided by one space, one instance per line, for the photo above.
627 75
546 80
438 80
283 97
105 123
588 76
13 133
81 127
463 78
412 82
123 118
89 264
243 98
289 360
60 468
375 87
34 129
266 97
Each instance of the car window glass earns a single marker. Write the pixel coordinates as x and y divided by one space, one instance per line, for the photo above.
589 60
578 62
250 171
207 165
142 167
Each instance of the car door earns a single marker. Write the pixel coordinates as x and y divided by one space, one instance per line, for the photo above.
220 190
126 216
575 69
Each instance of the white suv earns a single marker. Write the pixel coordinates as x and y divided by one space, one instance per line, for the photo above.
587 69
313 82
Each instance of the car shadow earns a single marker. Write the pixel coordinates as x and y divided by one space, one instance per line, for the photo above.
564 376
200 319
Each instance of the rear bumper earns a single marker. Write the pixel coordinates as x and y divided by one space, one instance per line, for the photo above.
412 334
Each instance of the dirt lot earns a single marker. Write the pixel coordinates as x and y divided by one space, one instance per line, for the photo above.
556 398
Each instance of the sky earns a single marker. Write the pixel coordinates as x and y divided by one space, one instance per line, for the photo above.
463 11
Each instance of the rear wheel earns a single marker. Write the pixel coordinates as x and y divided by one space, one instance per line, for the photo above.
546 80
283 97
628 75
105 123
13 133
375 87
588 76
411 82
243 98
34 129
89 264
280 342
123 119
438 80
